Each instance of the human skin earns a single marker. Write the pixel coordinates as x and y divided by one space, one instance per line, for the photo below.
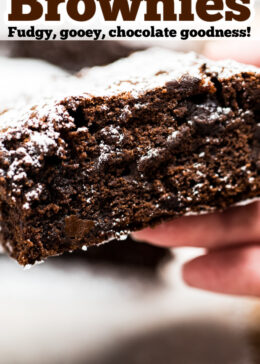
231 263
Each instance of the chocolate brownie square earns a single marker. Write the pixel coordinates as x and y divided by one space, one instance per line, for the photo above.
153 137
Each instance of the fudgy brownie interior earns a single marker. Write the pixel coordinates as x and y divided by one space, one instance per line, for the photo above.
93 167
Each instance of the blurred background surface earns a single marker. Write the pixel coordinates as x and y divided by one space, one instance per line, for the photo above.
75 309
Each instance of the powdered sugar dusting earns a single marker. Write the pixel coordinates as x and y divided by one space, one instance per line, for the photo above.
38 128
152 153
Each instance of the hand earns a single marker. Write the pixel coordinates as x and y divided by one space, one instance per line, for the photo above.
232 238
232 262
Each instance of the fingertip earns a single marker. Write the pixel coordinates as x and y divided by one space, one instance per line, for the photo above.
192 274
230 271
138 236
142 235
162 234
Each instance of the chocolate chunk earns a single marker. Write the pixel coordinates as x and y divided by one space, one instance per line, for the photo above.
77 228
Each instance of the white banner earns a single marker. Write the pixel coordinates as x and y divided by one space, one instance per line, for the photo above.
127 19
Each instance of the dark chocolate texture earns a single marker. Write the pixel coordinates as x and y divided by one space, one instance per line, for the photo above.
181 137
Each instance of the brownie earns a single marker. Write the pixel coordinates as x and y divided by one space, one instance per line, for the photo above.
150 138
72 55
39 77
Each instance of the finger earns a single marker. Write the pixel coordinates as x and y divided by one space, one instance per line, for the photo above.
230 271
232 50
236 225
